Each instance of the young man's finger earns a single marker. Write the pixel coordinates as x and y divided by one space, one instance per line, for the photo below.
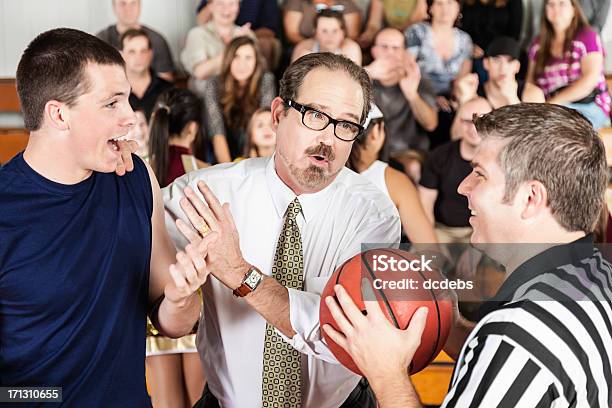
187 269
198 262
126 155
179 279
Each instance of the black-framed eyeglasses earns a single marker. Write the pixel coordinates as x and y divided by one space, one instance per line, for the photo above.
317 120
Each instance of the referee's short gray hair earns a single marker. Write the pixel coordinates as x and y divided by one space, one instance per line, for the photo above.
558 147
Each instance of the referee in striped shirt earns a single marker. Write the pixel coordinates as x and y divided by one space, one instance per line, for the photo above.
546 338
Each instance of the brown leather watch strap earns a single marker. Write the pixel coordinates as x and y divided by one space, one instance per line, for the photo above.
242 290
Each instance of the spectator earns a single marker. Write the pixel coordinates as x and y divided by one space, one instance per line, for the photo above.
485 20
596 12
442 51
128 16
265 21
232 97
261 138
399 14
299 17
567 62
502 64
145 84
140 134
330 36
364 159
443 171
407 100
203 52
173 366
174 127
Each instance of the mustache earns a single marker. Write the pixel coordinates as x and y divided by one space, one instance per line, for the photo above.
321 150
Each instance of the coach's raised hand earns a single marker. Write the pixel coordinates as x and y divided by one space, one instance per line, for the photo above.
211 219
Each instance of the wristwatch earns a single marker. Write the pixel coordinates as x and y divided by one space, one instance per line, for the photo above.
251 280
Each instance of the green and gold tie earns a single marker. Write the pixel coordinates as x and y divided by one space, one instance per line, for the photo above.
281 362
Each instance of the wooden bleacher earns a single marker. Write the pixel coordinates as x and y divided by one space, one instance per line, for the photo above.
13 137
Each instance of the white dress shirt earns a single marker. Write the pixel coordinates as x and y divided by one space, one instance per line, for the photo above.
333 225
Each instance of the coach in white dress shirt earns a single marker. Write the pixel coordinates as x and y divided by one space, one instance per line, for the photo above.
340 210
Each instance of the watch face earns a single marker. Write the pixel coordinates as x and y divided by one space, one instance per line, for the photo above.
252 280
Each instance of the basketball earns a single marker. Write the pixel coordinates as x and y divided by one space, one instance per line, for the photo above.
398 303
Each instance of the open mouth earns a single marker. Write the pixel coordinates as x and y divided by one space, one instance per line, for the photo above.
113 143
319 159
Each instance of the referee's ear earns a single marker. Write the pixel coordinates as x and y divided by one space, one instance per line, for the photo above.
534 197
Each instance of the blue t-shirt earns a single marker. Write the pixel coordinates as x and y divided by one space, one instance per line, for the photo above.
74 276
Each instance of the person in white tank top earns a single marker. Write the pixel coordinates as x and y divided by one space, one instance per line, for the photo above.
364 160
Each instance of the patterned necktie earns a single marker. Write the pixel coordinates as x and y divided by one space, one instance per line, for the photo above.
281 362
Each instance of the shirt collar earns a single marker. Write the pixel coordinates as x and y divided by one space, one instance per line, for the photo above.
282 195
547 260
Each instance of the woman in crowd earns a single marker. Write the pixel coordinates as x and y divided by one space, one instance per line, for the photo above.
261 138
364 159
442 51
232 97
330 36
174 371
567 62
299 17
174 130
203 52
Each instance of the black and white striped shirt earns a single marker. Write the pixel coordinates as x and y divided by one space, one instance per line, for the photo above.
546 339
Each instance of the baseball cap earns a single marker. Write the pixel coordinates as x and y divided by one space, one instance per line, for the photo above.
504 46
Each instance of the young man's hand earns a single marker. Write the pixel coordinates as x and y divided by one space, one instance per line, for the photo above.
125 162
210 218
189 272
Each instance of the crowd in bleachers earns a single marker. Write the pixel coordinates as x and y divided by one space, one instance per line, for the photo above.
426 58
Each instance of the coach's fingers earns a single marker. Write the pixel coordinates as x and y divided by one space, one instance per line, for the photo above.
187 231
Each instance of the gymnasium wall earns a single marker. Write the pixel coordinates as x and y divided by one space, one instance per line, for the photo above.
22 20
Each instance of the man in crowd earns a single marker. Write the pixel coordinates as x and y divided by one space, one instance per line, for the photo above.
502 88
444 169
146 85
128 16
406 99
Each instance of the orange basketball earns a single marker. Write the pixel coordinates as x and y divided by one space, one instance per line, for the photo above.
397 304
